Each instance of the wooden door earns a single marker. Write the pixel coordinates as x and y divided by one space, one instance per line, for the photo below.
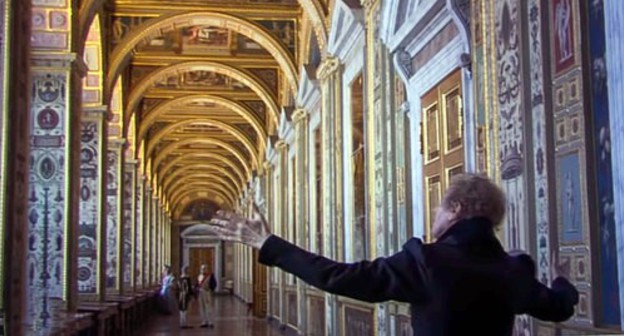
199 256
443 145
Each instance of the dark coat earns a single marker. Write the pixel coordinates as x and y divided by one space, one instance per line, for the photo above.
463 284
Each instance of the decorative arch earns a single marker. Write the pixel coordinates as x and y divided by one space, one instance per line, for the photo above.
206 170
86 15
189 156
203 185
208 141
236 107
123 51
240 136
195 194
199 189
176 209
201 194
314 10
240 75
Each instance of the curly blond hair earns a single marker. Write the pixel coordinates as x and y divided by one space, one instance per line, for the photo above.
477 195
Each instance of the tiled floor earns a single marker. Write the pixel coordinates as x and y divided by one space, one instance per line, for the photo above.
230 319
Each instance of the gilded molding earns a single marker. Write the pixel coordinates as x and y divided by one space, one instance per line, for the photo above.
299 115
95 112
55 60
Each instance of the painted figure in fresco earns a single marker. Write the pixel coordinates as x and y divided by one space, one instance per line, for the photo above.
570 201
206 285
185 295
167 291
462 284
563 14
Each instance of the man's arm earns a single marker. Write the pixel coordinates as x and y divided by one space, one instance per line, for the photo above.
554 304
400 277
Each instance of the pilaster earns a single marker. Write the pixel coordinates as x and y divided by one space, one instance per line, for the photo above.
147 235
300 120
114 225
54 177
92 225
329 74
281 218
129 225
139 264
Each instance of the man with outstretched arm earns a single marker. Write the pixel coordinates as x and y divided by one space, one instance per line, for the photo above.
462 284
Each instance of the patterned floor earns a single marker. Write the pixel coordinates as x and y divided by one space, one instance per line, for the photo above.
231 319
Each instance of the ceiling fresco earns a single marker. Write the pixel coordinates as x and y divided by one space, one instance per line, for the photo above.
227 129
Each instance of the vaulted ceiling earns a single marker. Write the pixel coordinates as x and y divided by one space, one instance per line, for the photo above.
200 85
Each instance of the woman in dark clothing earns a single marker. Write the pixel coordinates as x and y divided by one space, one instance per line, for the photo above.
462 284
185 296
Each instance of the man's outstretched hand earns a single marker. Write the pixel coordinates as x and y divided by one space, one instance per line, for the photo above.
235 228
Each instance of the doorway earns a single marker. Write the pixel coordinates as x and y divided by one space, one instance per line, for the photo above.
442 141
199 256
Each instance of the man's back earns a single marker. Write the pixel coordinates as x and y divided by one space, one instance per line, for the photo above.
463 284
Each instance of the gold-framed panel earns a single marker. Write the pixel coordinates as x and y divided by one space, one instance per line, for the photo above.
350 325
431 131
433 198
452 144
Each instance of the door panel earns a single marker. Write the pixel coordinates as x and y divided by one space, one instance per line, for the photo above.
443 147
199 256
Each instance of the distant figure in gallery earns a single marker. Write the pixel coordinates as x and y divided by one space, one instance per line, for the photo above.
168 291
462 284
186 293
206 285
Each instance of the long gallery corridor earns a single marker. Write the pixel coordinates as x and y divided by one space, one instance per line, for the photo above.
126 125
231 317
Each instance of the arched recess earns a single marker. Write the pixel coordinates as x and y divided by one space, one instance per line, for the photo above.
86 14
240 75
205 170
209 184
205 141
192 195
240 136
198 188
201 185
236 107
177 209
203 193
198 158
314 10
151 28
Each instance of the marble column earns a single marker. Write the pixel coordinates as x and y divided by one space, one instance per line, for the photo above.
54 177
92 225
300 121
329 74
614 28
114 223
129 225
14 147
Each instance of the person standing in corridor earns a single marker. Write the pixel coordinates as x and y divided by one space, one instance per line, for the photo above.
206 285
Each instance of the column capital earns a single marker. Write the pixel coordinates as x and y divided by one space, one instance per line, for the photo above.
328 66
116 143
95 112
281 144
368 4
267 165
299 115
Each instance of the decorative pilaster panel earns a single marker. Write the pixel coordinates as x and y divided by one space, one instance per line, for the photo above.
14 174
92 226
129 225
114 223
573 229
329 73
139 270
614 29
155 271
540 142
511 136
300 120
54 181
147 236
